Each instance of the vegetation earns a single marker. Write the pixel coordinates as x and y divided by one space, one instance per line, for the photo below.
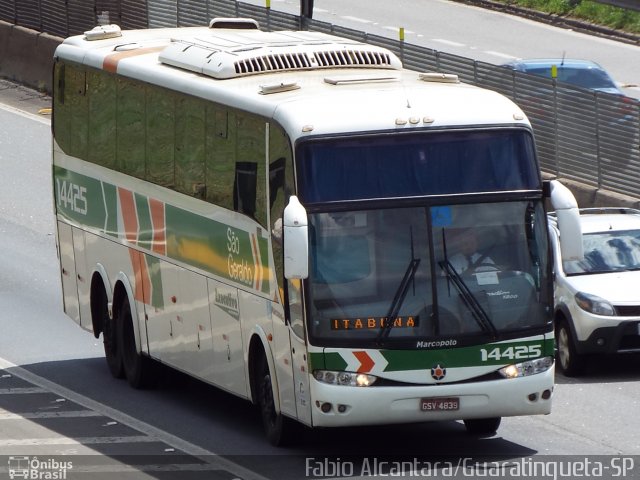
590 11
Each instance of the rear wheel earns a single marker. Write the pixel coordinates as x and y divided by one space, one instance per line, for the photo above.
570 362
112 350
484 427
137 368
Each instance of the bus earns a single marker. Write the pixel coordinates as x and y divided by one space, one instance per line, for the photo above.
278 214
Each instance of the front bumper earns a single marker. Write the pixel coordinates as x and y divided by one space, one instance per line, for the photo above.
357 406
621 338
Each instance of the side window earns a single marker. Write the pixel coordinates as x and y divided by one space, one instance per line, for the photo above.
280 188
250 189
190 147
235 162
161 137
131 128
60 106
221 154
245 186
70 109
102 118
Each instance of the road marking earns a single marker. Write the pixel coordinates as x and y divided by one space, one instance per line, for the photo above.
23 113
4 415
22 391
397 29
448 42
154 433
22 442
356 19
501 55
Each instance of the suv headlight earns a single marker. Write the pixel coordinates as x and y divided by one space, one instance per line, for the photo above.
344 378
594 304
527 368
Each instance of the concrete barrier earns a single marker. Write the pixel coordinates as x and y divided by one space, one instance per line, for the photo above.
26 56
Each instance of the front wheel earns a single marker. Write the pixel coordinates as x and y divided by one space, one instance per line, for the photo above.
484 427
276 426
570 362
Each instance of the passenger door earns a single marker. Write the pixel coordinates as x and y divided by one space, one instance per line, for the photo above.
301 381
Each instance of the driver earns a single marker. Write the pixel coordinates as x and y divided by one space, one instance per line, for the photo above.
469 257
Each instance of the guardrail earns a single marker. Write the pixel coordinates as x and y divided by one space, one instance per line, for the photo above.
591 138
628 4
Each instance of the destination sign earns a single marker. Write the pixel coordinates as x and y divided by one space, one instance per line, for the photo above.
370 323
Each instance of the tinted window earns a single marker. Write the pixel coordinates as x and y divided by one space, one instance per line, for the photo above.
416 164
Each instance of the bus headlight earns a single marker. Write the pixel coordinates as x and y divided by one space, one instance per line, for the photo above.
344 378
525 369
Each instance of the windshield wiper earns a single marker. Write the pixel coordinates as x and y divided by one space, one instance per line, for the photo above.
469 300
398 299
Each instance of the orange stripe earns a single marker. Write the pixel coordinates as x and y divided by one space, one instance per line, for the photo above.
138 292
366 362
142 278
129 215
258 264
110 62
158 244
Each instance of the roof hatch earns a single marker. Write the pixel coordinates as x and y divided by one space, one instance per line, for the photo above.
234 52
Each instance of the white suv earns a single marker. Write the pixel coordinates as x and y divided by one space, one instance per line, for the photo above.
597 299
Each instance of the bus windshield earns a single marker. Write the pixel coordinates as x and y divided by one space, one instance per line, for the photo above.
474 270
416 164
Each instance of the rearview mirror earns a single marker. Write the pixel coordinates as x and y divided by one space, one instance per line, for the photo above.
568 216
296 240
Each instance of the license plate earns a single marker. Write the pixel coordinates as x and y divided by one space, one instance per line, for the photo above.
439 404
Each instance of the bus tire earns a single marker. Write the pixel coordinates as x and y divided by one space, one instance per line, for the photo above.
483 427
276 426
103 323
137 368
112 348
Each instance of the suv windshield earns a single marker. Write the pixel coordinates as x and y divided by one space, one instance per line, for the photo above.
440 272
607 252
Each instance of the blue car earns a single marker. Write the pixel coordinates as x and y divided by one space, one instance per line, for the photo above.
582 73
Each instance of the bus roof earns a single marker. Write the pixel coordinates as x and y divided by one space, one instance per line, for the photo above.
309 82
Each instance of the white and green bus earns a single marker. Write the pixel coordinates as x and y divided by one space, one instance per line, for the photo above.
278 214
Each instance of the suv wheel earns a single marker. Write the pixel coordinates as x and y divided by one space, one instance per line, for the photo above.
570 362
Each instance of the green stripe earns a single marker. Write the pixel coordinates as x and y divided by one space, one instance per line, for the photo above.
145 227
157 297
79 198
327 361
193 239
111 201
495 354
402 360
